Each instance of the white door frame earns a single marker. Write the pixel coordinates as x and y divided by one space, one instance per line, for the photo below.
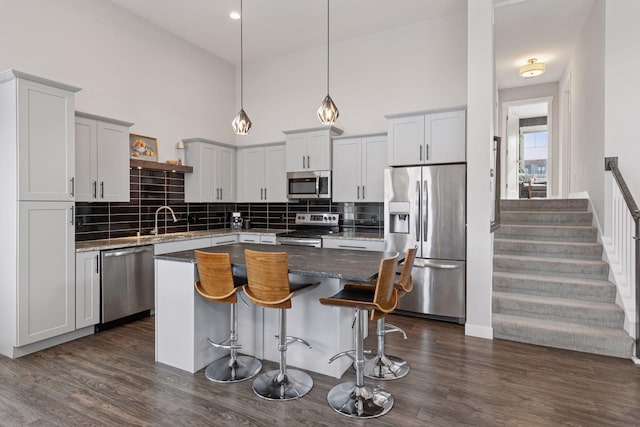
550 131
565 136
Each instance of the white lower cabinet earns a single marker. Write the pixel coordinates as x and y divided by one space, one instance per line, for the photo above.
259 238
353 244
46 271
87 289
224 240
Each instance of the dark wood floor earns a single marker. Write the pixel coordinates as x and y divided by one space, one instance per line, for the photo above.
111 379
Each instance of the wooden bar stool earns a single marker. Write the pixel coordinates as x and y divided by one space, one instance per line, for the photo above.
360 400
218 284
383 367
268 286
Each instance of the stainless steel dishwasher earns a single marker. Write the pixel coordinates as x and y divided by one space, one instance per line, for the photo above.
127 282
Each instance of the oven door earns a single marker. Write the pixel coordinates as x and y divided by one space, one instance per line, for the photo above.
309 185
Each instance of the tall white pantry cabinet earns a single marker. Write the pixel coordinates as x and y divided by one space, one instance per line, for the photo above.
37 239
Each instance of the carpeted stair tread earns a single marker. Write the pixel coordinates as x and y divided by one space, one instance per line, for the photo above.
544 204
566 233
590 269
593 313
546 217
555 286
584 250
565 335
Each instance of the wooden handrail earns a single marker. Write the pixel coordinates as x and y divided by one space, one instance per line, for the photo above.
611 164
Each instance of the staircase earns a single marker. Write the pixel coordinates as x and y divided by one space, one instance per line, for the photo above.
550 284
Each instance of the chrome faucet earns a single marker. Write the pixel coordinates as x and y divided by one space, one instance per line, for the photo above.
155 229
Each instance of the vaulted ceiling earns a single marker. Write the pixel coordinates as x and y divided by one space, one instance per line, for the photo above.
546 29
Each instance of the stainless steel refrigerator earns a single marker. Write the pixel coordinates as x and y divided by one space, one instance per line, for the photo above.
425 208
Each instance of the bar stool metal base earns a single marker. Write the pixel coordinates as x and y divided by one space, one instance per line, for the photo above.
368 401
224 370
272 386
385 368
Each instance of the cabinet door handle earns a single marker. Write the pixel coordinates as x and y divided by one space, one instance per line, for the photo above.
308 162
303 162
261 191
73 186
363 192
352 247
95 189
421 153
426 152
358 192
73 215
102 189
265 194
97 264
221 193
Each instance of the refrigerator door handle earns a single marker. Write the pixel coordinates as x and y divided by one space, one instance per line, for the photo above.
425 211
416 214
435 264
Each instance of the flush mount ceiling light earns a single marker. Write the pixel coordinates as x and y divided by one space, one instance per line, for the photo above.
241 124
328 112
532 69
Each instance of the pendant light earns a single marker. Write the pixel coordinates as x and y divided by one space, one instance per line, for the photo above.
241 124
328 112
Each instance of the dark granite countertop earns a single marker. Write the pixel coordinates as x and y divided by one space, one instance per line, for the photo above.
305 261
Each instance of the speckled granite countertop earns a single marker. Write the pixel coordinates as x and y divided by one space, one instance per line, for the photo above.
122 242
306 261
348 235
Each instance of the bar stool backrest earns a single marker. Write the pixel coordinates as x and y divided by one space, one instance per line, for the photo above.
386 295
406 281
268 279
216 277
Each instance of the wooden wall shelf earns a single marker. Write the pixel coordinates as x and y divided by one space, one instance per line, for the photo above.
143 164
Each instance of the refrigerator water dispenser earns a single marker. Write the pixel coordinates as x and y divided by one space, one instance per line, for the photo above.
399 217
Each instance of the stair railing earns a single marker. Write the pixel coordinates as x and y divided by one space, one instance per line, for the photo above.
495 224
625 242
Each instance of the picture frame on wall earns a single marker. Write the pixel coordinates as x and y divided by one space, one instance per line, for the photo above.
143 147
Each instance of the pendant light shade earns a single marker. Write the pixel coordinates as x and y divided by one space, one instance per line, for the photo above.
241 124
328 112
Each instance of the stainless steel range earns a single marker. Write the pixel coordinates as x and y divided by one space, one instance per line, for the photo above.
310 227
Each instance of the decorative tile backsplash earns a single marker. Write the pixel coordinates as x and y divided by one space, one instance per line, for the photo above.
151 189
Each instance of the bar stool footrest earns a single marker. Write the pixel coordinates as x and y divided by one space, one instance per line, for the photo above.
389 328
368 401
227 370
383 367
223 345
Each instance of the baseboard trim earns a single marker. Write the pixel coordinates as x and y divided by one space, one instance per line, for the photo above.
478 331
50 342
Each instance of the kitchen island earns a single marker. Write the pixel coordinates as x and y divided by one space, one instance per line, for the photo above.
184 319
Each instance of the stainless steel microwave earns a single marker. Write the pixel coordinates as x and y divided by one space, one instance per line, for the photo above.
309 185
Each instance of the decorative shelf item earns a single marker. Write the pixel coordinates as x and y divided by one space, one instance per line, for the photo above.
144 164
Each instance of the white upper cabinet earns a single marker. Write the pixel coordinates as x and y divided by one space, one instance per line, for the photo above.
358 168
213 177
427 138
310 149
261 174
102 159
45 131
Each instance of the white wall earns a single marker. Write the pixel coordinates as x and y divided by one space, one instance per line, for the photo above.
587 70
622 133
128 69
530 92
480 120
416 67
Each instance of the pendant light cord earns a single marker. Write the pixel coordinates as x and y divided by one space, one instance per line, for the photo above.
241 61
327 47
